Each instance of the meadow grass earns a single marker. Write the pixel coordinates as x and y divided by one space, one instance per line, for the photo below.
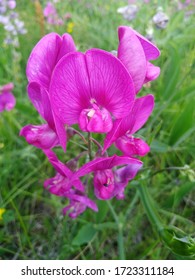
32 226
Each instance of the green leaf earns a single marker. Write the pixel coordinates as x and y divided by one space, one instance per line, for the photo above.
102 212
171 76
8 216
85 235
159 147
107 225
184 126
182 192
178 194
178 241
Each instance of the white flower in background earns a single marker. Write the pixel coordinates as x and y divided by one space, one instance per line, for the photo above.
128 12
160 19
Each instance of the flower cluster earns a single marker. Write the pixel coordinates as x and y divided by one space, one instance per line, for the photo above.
11 22
7 99
51 15
91 94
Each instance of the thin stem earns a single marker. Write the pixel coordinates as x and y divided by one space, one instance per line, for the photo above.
79 134
121 249
96 142
89 146
121 243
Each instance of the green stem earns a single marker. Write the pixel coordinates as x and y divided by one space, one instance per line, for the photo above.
120 232
89 146
121 242
149 207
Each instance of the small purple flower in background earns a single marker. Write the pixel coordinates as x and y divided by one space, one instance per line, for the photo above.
96 91
7 99
11 22
11 4
160 19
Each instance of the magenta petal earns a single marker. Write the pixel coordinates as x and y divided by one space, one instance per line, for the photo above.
78 205
39 98
122 177
152 72
45 56
95 120
57 185
104 184
81 80
150 50
43 59
67 45
42 136
63 169
86 201
7 87
70 89
110 83
61 132
141 111
137 117
7 101
131 146
127 173
102 164
131 53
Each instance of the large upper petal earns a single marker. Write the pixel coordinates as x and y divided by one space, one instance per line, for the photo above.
82 79
45 56
138 116
131 53
110 83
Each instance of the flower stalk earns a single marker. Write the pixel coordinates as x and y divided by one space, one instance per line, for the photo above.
121 249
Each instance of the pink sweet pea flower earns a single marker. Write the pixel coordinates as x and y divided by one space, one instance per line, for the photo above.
41 63
7 99
109 182
123 129
49 10
135 51
90 89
